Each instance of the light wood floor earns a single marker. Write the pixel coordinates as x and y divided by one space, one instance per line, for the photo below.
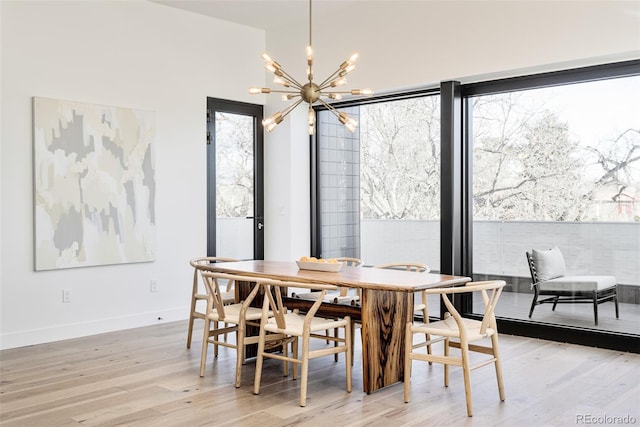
147 377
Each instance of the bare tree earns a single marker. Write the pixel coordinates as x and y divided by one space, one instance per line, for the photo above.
619 159
400 159
526 165
234 165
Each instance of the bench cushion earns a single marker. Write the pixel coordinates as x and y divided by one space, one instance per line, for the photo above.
578 283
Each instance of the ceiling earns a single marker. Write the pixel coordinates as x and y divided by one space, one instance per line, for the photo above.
262 14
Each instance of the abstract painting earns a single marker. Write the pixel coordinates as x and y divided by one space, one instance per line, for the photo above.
94 176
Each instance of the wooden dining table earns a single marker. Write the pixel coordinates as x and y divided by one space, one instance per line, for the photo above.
386 305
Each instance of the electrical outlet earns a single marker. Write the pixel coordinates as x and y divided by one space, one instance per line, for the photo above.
153 285
66 295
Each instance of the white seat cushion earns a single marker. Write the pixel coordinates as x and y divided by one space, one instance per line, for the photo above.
449 328
232 314
578 283
331 297
295 323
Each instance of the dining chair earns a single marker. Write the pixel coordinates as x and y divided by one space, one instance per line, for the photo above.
418 267
419 308
198 291
460 333
422 307
238 315
302 327
340 297
344 291
350 261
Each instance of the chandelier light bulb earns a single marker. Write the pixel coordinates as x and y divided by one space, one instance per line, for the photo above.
340 81
273 120
270 126
346 120
280 81
351 127
311 117
309 55
257 90
266 58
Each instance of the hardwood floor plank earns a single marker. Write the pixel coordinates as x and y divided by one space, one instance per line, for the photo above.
46 406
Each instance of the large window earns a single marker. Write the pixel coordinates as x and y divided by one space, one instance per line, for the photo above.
559 167
379 188
532 162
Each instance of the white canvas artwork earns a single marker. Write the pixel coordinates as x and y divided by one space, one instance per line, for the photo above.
94 175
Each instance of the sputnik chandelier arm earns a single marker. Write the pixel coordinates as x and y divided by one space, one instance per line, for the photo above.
277 118
310 92
348 122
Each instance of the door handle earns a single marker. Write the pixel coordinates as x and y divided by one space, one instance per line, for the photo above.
260 225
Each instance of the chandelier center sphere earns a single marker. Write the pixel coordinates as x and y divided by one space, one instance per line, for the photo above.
310 93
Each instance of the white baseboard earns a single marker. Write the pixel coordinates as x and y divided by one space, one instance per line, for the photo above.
94 327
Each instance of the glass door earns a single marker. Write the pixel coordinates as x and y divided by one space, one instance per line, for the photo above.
235 226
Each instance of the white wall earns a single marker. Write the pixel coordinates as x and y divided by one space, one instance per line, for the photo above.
124 53
144 55
286 195
415 43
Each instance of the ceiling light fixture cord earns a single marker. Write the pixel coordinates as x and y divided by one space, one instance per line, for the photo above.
310 44
310 92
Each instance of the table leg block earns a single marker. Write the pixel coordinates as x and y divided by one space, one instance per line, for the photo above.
384 317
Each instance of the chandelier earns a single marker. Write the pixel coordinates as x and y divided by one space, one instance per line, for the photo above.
310 92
